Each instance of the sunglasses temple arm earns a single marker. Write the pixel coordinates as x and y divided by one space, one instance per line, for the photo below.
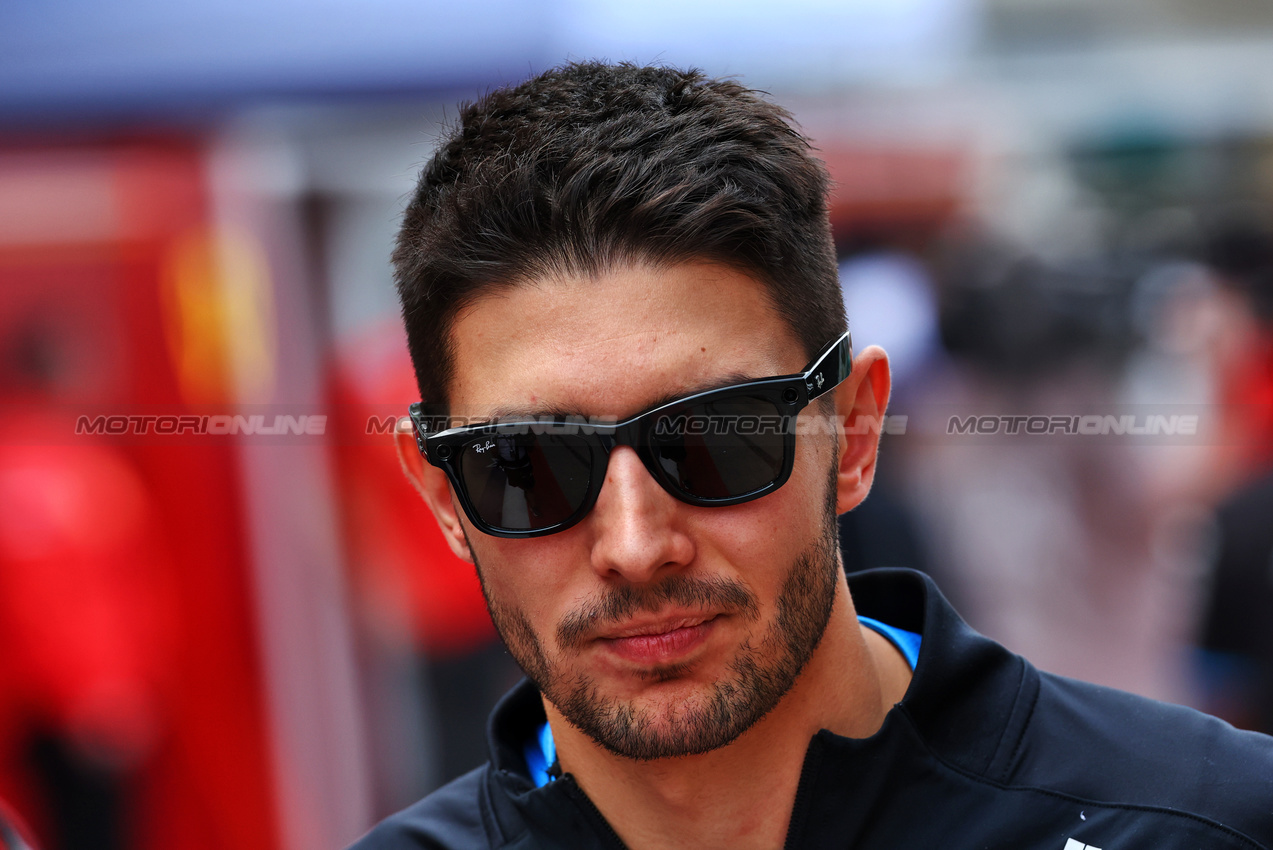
416 412
831 368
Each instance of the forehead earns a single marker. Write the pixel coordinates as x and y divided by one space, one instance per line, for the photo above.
615 343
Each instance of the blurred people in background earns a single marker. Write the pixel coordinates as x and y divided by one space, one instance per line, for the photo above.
889 297
1237 630
85 619
1241 255
1048 540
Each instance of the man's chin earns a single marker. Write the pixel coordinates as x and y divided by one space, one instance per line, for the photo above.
673 718
666 713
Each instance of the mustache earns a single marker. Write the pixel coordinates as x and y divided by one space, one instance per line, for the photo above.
726 596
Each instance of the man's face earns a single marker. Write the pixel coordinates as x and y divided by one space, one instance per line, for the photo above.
656 627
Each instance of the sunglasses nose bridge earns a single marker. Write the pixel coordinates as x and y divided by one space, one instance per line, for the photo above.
622 434
635 434
606 440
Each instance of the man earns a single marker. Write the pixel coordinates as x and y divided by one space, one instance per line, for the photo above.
642 416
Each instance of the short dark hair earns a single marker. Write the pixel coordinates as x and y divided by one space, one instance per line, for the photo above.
589 166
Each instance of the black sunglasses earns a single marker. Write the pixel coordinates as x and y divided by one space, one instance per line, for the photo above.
531 477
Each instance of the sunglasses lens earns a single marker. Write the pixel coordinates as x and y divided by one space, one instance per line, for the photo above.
726 448
722 449
523 482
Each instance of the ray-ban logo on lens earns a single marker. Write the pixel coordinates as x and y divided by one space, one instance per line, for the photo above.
489 444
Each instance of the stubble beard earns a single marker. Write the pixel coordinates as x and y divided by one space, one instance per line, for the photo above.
758 677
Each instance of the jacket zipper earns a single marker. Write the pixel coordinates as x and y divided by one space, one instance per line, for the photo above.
804 792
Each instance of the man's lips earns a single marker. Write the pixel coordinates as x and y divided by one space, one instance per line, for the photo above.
664 640
659 626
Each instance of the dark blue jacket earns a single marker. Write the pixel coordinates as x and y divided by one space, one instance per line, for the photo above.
984 752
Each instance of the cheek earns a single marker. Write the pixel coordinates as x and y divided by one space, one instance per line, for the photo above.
814 478
743 531
761 539
786 520
532 577
755 541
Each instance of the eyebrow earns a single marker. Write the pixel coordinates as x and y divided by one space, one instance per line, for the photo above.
511 413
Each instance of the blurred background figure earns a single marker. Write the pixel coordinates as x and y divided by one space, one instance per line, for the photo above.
130 703
237 635
1239 252
890 299
1237 631
85 620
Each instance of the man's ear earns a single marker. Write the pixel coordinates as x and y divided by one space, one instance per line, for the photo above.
860 405
432 485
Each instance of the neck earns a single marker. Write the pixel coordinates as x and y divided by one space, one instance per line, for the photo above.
741 795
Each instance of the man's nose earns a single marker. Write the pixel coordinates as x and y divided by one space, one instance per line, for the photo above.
637 525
